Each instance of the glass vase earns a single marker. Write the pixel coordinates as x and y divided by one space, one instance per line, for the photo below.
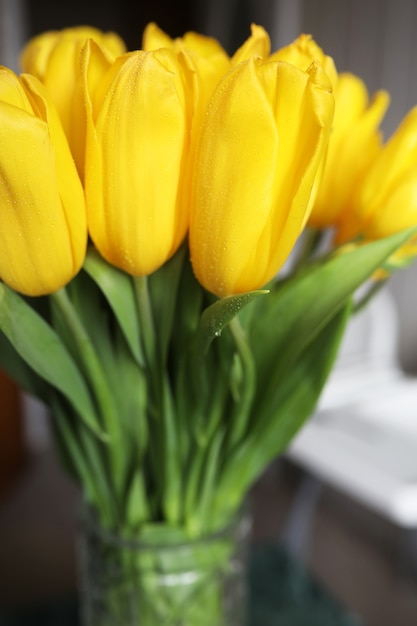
127 582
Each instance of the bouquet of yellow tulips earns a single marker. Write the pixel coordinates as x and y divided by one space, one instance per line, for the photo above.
148 201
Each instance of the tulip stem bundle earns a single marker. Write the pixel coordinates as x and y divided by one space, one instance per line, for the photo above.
177 425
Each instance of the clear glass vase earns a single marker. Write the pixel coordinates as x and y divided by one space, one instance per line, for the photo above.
197 583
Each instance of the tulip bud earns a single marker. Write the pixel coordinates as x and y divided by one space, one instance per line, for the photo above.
43 230
258 44
386 200
302 52
54 58
355 142
138 132
207 61
263 139
208 57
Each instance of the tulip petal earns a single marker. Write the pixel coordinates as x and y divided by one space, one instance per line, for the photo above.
54 58
136 219
34 256
354 145
258 44
398 156
303 52
234 182
261 145
70 189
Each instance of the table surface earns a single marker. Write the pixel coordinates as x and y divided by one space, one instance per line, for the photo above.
283 593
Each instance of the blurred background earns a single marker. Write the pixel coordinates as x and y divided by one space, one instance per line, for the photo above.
359 553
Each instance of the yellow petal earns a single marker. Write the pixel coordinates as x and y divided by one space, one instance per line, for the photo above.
385 201
135 159
399 211
398 156
302 52
54 58
354 144
258 44
259 150
154 38
40 246
205 54
70 189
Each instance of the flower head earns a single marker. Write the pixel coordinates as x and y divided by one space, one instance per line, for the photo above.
43 229
262 142
302 52
138 133
385 202
54 58
354 143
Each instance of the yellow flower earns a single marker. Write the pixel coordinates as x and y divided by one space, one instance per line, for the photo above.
354 144
138 128
54 58
302 52
262 142
43 231
386 200
258 44
207 56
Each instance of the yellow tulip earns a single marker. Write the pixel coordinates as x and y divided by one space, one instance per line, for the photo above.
302 52
207 56
138 131
43 230
386 200
354 144
54 58
262 143
258 44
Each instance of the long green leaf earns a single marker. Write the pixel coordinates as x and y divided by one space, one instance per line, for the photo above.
163 287
289 405
118 289
297 311
41 348
19 370
94 372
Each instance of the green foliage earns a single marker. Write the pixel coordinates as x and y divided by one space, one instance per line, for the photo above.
167 403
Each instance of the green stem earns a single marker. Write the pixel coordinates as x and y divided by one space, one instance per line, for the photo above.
155 383
146 321
241 413
78 445
95 374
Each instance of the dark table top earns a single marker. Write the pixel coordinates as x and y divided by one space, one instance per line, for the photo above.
283 593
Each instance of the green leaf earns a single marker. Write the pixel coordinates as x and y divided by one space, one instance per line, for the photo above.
18 369
297 310
94 373
172 484
117 286
218 315
295 398
41 348
188 310
163 287
288 406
